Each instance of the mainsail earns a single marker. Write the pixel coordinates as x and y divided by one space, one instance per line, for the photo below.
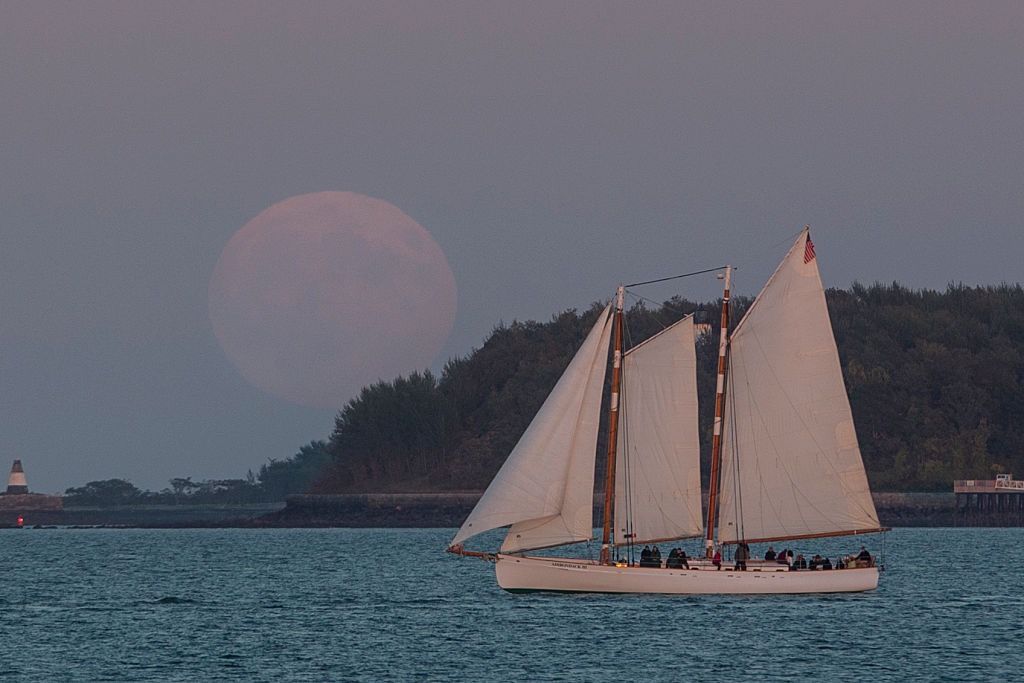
545 489
791 465
657 479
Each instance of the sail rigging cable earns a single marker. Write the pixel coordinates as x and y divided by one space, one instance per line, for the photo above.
736 479
676 277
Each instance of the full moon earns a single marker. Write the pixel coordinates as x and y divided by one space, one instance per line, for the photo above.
324 293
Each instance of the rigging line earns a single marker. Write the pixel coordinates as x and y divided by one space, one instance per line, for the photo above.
659 305
675 277
624 516
627 335
882 558
756 254
787 239
741 528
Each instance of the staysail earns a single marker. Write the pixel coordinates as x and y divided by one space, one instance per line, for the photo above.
545 489
657 479
791 465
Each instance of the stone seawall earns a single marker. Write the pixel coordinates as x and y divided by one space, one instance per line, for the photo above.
916 509
375 510
30 502
432 510
150 516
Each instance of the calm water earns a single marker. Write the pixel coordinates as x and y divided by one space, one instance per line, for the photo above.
275 605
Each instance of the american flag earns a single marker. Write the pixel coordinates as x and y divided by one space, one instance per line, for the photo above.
808 250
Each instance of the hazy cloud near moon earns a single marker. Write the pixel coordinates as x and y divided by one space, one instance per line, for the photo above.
323 293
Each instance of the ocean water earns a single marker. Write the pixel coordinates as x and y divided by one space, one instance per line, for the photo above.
350 604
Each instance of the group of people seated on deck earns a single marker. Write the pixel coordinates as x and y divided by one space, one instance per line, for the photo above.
786 557
650 558
677 558
863 559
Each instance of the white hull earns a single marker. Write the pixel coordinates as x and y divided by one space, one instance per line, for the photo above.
516 573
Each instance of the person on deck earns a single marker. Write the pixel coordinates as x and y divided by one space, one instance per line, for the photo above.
676 559
816 561
800 563
645 556
716 559
656 557
826 563
864 558
770 555
742 555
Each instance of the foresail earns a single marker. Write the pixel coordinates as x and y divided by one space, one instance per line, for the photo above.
545 489
791 465
657 478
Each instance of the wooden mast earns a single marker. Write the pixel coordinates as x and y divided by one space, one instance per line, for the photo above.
613 432
716 438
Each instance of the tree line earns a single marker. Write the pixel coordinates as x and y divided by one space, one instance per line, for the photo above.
274 480
935 379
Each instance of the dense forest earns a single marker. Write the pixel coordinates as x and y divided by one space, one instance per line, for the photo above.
936 382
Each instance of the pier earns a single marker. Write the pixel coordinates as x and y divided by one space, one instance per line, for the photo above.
990 502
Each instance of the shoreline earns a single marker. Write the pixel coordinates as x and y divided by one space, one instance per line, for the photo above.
424 510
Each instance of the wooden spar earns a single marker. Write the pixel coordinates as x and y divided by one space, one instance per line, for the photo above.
633 541
716 438
824 534
613 432
460 550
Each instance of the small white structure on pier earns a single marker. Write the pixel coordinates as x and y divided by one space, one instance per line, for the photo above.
1003 483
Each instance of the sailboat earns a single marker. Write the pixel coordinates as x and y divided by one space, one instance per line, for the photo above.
785 465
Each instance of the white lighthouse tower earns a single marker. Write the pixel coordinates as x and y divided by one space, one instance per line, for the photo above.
16 483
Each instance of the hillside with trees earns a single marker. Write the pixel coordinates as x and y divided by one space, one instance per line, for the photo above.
936 382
